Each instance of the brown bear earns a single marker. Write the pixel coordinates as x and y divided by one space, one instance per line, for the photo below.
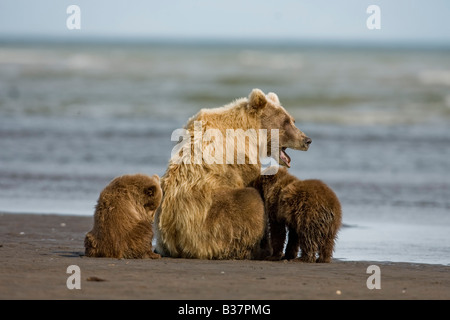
207 210
309 209
123 218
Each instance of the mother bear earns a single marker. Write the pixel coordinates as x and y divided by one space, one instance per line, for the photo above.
207 210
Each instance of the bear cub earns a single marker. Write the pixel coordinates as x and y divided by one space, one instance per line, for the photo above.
309 209
123 218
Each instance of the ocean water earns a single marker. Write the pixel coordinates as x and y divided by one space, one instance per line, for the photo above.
74 116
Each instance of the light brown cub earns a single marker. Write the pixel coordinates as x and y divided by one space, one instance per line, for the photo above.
123 218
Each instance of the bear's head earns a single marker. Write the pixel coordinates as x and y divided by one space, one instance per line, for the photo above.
143 189
273 116
152 193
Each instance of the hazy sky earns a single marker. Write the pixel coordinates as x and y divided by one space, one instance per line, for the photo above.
401 20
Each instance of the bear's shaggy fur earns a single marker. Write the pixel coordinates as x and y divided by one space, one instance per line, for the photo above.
207 211
310 210
123 218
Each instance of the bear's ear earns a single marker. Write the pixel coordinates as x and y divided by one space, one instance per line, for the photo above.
150 191
273 97
156 177
257 99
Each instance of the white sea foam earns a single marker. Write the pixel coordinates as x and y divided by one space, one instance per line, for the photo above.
85 62
435 77
270 60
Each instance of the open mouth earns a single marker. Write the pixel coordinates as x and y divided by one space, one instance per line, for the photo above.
285 158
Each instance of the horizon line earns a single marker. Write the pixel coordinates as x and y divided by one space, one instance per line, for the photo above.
224 41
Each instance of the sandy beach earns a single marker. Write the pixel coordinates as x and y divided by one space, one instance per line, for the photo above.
36 251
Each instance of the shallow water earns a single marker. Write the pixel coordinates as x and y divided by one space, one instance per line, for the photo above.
74 117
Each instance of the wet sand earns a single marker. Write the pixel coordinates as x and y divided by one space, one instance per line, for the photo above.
36 250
